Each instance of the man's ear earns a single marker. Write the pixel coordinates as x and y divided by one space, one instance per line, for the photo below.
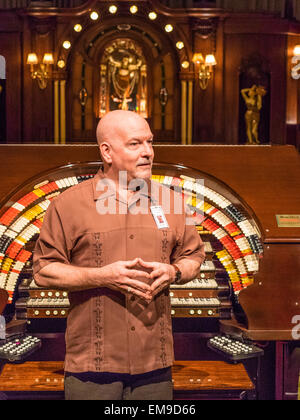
105 151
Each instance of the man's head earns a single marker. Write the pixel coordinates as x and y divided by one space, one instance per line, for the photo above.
125 142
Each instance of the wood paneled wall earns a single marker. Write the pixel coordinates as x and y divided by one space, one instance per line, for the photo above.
216 111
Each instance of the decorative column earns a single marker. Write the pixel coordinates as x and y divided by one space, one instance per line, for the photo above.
190 113
60 111
56 112
63 111
183 111
187 80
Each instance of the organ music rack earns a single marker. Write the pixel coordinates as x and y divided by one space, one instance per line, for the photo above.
237 286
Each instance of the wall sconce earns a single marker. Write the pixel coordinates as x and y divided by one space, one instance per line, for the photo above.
205 68
40 72
295 73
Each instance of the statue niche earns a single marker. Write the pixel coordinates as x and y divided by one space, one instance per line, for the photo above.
253 100
123 81
254 104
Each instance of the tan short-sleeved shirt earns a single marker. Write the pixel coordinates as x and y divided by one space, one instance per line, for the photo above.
108 331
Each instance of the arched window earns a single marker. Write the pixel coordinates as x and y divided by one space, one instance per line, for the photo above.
2 100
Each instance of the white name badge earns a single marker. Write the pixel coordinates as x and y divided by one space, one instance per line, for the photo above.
159 217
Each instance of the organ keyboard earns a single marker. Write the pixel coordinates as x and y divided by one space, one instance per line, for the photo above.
195 301
198 283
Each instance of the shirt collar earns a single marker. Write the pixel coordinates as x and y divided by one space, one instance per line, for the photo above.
104 187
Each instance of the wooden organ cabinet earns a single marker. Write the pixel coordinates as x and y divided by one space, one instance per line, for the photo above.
248 286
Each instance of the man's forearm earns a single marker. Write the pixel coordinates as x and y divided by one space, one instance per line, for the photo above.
68 277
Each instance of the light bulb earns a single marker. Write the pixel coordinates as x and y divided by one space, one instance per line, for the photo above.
77 27
112 9
66 44
152 15
168 28
94 16
133 9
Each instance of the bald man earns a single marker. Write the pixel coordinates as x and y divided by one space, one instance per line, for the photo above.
109 242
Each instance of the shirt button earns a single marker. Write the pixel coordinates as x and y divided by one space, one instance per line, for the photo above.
132 328
131 236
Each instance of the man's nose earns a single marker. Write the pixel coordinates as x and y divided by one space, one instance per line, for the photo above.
147 149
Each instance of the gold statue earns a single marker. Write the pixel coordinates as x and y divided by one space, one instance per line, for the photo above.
125 76
253 99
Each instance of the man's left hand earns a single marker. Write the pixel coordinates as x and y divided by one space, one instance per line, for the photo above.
162 275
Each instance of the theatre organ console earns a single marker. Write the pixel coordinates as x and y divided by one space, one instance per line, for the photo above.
249 283
231 240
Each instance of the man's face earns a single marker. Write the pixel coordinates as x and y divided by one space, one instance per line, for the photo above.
132 151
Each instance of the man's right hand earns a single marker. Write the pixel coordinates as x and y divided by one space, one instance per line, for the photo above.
124 277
